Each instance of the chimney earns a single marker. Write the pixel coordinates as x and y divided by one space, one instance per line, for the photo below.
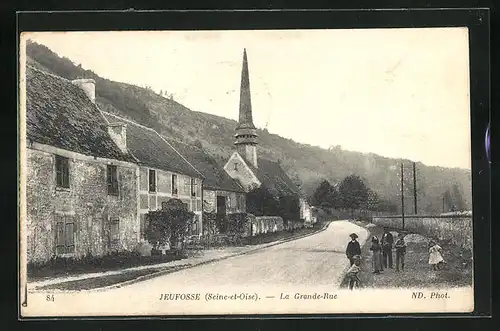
88 86
118 132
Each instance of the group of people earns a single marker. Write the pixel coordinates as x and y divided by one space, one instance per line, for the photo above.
382 255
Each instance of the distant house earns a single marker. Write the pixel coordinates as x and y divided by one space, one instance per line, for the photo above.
249 169
221 194
81 190
164 173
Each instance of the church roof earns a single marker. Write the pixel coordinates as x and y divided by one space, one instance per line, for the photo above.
60 114
216 178
274 178
152 150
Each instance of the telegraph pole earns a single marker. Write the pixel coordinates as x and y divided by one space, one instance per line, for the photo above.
415 187
402 198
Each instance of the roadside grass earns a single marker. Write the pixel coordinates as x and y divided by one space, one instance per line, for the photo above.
103 281
58 267
418 273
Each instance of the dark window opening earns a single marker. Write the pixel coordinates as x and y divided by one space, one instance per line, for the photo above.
62 171
174 184
193 187
152 181
236 166
112 180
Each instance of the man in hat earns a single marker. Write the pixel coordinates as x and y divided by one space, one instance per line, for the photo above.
353 248
387 242
400 246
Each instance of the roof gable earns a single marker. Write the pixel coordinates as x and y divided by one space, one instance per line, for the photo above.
60 114
274 178
151 149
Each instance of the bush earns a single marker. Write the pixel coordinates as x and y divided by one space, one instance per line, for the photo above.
169 225
210 224
238 223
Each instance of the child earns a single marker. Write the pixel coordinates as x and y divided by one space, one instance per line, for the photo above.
352 273
400 246
435 257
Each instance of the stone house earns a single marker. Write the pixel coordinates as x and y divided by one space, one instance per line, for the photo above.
247 167
81 189
222 194
164 173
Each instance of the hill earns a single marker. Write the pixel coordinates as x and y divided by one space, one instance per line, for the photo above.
304 163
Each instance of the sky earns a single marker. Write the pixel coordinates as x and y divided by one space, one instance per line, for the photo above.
401 93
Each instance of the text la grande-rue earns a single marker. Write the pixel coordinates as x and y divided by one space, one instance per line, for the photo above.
312 296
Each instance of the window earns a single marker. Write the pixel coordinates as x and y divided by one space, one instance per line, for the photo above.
65 234
174 184
152 181
235 166
193 187
62 171
112 180
114 233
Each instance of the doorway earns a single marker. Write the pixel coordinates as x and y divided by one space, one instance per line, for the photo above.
221 214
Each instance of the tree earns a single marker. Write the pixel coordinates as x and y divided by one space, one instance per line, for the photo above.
458 200
448 202
198 144
325 195
353 192
260 202
372 201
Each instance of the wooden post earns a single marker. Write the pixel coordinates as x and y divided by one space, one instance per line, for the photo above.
415 188
402 199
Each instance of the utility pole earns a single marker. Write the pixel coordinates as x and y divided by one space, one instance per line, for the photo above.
443 203
415 187
402 198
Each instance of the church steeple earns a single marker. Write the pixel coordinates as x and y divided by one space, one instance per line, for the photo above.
246 133
245 98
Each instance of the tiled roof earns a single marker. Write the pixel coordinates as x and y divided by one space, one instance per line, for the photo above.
59 114
151 149
274 178
216 178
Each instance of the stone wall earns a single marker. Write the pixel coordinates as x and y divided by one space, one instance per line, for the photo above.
266 224
85 204
457 229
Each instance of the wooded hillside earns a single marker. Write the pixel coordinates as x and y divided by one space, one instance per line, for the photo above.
215 134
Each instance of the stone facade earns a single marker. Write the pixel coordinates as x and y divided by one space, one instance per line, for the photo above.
83 216
235 201
164 191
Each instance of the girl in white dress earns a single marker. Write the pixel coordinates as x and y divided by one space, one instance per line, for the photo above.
435 257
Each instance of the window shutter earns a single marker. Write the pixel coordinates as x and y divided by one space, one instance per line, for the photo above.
60 244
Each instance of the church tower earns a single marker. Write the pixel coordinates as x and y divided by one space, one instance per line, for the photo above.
246 133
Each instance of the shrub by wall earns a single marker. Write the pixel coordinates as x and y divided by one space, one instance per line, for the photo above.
237 223
457 229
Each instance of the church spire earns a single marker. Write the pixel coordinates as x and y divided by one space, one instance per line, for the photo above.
246 135
245 119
